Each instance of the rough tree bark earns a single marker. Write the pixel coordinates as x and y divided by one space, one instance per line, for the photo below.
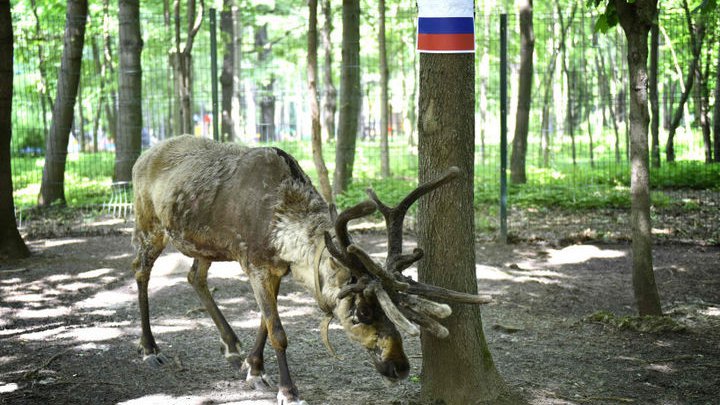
330 99
52 188
312 73
384 149
129 136
350 96
636 20
522 116
11 244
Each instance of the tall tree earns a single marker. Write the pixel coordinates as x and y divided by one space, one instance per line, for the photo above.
522 116
11 244
267 95
129 136
636 20
330 103
227 77
52 188
446 232
350 96
569 114
312 73
384 73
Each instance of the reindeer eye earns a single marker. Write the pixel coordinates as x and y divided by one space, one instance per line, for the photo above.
365 313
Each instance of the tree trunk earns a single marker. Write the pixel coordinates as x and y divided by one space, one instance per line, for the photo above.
45 99
446 233
330 104
384 148
182 64
696 42
266 126
100 73
227 30
636 20
607 99
654 102
129 136
312 66
716 111
52 188
703 114
80 122
350 96
111 106
569 119
522 117
11 244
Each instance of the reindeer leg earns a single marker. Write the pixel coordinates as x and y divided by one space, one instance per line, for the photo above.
254 364
197 277
265 286
150 248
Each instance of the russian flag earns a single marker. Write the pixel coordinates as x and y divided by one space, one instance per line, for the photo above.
446 26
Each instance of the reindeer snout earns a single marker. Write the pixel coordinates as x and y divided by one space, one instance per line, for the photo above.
393 370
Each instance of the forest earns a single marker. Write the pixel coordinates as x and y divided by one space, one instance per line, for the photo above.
588 225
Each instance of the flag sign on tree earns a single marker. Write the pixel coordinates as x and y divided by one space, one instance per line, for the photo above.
446 26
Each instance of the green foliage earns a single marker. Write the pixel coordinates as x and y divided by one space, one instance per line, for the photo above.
645 324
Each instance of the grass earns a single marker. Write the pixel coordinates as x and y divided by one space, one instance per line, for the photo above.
88 178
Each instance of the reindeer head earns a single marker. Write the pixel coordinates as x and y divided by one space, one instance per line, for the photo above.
378 300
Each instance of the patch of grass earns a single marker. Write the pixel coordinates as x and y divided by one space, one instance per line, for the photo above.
646 324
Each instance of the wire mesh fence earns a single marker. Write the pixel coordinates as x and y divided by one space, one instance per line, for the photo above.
577 153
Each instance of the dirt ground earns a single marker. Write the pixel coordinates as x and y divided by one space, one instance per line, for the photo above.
69 324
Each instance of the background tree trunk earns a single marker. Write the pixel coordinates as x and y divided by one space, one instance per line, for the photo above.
52 188
350 96
716 111
569 116
312 73
330 104
446 232
227 29
182 64
636 20
11 244
522 116
696 42
654 102
45 99
384 148
129 136
267 95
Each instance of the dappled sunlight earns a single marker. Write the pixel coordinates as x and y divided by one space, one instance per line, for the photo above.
61 242
711 311
238 397
581 253
661 368
25 313
95 273
108 299
92 334
483 272
8 387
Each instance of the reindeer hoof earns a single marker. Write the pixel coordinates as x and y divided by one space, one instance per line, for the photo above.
236 361
288 398
156 360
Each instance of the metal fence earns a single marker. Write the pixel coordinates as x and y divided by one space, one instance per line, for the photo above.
585 154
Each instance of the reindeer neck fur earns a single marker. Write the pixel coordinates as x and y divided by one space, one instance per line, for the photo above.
300 220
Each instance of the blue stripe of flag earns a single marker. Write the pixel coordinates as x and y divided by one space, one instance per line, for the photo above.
445 25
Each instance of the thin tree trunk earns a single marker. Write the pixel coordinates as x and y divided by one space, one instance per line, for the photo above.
12 245
445 232
330 103
52 188
227 29
45 98
569 119
100 73
182 63
636 30
522 116
350 97
384 148
696 48
267 95
704 113
238 101
111 106
716 111
585 98
80 123
607 100
312 73
654 102
129 136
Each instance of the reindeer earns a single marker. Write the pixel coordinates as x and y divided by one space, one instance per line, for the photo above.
256 206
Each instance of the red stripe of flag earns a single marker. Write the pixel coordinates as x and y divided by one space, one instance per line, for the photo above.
446 42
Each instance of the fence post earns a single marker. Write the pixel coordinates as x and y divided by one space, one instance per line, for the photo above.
213 73
503 128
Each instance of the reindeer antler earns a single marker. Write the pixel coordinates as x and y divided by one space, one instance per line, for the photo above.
400 297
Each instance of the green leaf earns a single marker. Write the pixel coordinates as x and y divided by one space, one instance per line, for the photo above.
601 25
